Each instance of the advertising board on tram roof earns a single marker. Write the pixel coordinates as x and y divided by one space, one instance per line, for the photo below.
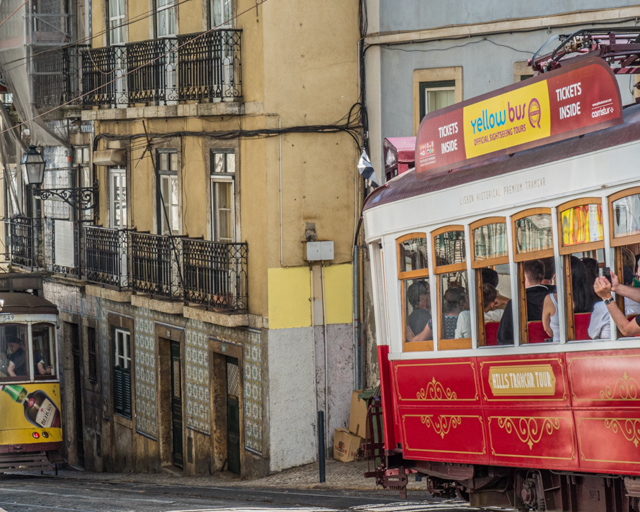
573 100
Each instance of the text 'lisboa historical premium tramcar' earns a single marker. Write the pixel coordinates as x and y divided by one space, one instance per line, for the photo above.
476 395
30 404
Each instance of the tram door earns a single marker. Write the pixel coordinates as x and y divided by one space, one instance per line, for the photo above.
233 415
176 406
74 338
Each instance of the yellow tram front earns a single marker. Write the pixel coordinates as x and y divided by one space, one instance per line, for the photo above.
30 404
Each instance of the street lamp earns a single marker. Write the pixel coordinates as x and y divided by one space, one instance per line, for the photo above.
33 166
84 198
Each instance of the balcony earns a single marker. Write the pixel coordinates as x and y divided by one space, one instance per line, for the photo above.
202 67
195 271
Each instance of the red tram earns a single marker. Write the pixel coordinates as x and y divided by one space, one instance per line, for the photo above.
531 423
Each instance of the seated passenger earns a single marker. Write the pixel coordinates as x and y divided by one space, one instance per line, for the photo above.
631 307
549 273
489 294
603 289
536 292
419 321
582 299
592 269
17 359
490 276
455 301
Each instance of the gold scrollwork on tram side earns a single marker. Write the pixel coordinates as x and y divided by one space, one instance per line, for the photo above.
529 430
630 430
436 391
625 388
442 425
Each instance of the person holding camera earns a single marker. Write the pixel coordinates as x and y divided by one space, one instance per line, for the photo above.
603 288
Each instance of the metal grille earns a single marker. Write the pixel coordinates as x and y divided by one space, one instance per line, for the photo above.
233 379
154 265
106 255
152 71
215 273
23 242
210 65
103 79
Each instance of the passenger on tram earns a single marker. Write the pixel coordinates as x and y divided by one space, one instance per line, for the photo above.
17 359
455 301
603 289
489 299
419 321
583 299
631 307
591 268
490 276
549 273
536 292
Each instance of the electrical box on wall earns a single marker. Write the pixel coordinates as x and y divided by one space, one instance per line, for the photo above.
320 251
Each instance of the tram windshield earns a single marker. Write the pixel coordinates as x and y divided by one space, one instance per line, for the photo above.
21 360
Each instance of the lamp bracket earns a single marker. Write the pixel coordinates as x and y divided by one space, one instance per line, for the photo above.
83 198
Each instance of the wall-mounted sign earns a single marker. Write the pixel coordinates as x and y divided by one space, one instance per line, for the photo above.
573 100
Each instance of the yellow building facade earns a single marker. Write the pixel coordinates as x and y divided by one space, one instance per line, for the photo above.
218 272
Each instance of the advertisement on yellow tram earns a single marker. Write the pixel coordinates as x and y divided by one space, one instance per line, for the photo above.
30 413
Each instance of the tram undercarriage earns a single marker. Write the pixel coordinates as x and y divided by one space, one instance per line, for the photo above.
519 488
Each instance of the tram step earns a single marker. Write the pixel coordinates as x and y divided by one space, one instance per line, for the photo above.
24 462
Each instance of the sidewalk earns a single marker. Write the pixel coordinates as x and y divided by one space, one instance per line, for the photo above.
338 475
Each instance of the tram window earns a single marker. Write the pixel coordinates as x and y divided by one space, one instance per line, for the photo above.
452 287
43 351
413 274
418 311
582 248
493 282
14 358
532 232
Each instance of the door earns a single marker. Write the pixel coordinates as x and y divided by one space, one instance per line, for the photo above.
176 406
77 390
233 415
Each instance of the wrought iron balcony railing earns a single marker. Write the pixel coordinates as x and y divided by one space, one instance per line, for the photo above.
106 256
202 66
213 274
23 241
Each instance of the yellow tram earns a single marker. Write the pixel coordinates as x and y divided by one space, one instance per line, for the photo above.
30 403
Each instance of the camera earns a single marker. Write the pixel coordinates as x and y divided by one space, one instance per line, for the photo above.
606 272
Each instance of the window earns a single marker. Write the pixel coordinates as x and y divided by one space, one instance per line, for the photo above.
624 227
221 13
223 163
92 355
452 286
490 261
168 202
434 89
165 18
117 198
522 71
14 352
43 351
116 17
122 372
413 273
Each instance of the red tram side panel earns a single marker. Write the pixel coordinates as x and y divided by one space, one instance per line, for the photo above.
574 412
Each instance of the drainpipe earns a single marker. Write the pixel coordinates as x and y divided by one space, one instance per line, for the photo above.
358 349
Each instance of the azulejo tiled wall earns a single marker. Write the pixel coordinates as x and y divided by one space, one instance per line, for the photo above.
145 374
253 392
197 377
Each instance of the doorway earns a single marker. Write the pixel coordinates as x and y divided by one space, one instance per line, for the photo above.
177 455
74 341
233 415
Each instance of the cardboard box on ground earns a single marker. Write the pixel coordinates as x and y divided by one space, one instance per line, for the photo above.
358 416
347 443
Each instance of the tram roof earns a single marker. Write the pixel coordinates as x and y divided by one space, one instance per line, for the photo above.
20 303
411 184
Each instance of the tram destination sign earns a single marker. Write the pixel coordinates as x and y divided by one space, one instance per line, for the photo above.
573 100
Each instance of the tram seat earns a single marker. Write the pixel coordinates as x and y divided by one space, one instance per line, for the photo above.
536 332
581 323
491 333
